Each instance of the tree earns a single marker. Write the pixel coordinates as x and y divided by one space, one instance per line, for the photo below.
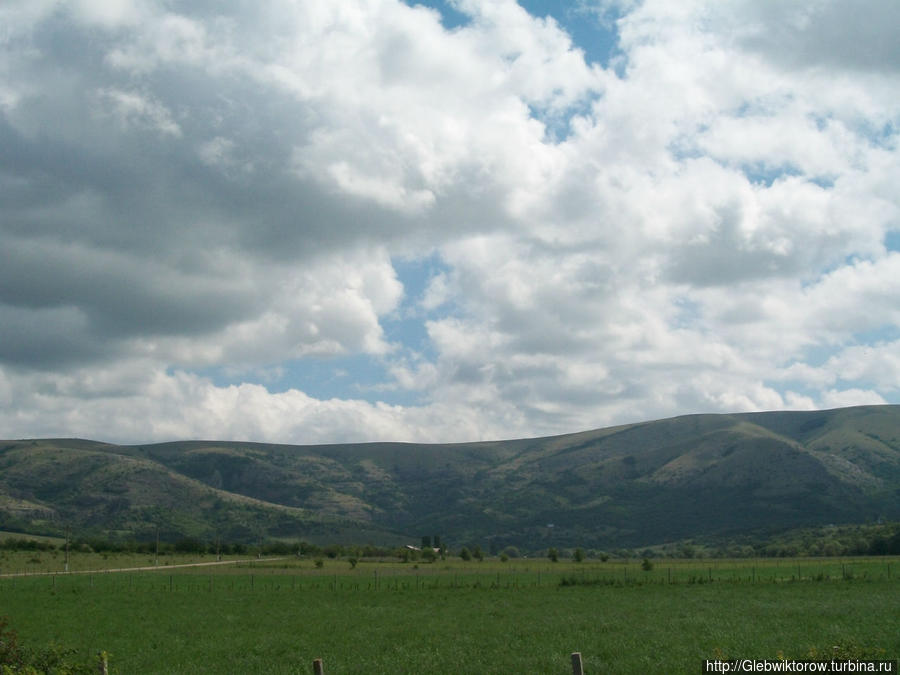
465 554
553 554
579 554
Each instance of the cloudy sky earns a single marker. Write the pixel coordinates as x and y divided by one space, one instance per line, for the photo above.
320 221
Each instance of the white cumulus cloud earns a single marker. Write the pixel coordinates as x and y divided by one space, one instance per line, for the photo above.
205 207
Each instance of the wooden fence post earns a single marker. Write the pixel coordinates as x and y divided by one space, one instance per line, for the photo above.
103 665
576 664
318 668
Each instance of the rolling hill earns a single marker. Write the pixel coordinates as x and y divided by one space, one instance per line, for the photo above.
631 485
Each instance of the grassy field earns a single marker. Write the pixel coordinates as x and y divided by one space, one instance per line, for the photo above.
49 562
522 616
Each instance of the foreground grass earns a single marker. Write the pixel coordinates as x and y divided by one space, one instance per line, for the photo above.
449 618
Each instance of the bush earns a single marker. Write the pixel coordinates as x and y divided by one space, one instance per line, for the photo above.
16 660
23 544
646 565
10 652
334 550
553 554
278 548
57 660
464 554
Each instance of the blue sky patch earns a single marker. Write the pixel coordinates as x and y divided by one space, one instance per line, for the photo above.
451 17
558 125
592 31
763 174
357 376
406 326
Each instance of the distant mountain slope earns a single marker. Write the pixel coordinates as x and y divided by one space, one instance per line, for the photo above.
630 485
96 488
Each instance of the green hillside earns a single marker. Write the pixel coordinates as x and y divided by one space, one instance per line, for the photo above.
106 490
632 485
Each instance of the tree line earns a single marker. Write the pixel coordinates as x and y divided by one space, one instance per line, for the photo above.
843 540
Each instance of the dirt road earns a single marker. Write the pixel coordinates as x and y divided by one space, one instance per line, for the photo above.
145 568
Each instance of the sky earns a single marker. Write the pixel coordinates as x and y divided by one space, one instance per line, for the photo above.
456 220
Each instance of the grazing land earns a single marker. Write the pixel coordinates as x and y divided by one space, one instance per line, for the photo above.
524 615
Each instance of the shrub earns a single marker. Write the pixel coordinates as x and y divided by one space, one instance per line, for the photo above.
16 660
553 554
189 545
334 550
512 552
58 660
646 565
279 548
10 652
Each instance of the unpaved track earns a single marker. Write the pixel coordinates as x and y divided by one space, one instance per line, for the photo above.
146 568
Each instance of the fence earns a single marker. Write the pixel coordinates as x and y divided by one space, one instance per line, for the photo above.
319 665
577 667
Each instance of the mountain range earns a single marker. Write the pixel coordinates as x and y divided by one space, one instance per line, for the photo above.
632 485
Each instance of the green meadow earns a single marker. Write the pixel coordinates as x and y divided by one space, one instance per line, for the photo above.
524 615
